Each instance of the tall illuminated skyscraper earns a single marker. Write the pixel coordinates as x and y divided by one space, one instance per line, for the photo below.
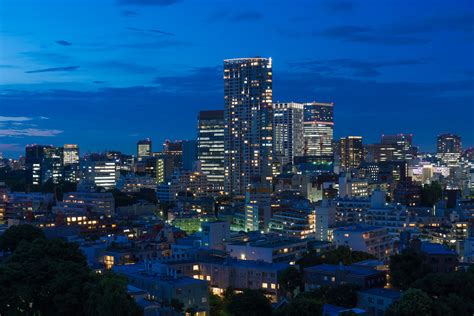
288 139
248 122
210 146
351 152
318 129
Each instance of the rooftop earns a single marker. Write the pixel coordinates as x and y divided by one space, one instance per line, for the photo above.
358 228
352 269
436 249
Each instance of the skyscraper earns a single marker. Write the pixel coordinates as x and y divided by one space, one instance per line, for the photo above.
44 163
288 139
449 143
351 152
248 122
144 149
318 129
70 154
449 148
397 147
210 146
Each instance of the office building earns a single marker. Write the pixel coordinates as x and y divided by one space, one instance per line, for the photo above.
351 152
70 154
248 122
397 147
288 140
102 173
101 203
449 148
210 147
44 163
189 155
325 219
215 234
144 149
318 129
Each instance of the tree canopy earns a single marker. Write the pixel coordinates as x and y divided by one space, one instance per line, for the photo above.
341 254
51 277
14 235
407 267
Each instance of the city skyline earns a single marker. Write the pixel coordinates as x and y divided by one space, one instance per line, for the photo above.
388 70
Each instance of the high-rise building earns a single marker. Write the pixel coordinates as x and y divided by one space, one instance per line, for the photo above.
396 148
449 143
318 129
102 173
248 122
351 152
449 148
144 149
44 163
210 146
287 131
70 154
189 154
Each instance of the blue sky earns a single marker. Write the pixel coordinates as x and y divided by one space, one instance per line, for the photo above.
106 73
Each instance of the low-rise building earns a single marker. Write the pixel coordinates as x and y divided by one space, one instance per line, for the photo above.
375 301
371 239
333 275
162 285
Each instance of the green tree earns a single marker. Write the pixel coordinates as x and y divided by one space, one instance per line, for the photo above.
412 302
108 296
407 267
431 194
301 306
250 303
340 255
452 293
216 304
12 237
51 277
289 280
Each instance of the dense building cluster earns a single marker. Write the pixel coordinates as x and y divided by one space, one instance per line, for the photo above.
263 187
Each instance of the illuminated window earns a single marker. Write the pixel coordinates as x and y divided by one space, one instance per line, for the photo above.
195 267
264 285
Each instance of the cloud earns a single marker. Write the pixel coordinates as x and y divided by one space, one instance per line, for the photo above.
154 31
199 80
161 3
63 43
129 13
408 33
7 66
366 34
11 147
123 66
10 132
337 6
98 81
14 118
160 44
347 66
243 16
55 69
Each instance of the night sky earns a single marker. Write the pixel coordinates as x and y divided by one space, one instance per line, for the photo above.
105 73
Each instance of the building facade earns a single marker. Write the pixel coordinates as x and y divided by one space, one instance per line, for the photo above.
248 122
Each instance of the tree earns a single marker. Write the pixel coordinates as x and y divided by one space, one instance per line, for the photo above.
51 277
344 295
452 293
342 254
250 303
301 306
109 297
177 305
289 280
412 302
12 237
216 304
431 194
407 267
